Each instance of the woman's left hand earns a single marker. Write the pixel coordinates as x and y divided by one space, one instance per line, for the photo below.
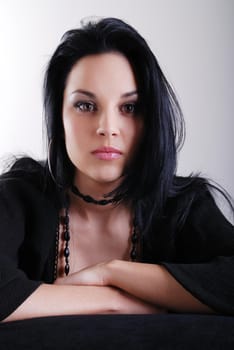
96 275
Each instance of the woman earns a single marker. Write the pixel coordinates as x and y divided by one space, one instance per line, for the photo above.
105 226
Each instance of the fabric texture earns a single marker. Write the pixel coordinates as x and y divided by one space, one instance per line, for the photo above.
128 332
201 256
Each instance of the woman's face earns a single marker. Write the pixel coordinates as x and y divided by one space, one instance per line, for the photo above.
101 123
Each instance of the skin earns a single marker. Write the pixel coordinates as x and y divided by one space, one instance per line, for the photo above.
102 279
100 110
151 283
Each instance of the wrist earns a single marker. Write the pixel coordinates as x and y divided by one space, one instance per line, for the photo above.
112 269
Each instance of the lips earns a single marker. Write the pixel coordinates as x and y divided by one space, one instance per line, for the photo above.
107 153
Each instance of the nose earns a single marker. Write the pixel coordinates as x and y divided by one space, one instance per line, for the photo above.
108 124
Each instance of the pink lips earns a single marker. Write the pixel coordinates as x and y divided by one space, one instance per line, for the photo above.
107 153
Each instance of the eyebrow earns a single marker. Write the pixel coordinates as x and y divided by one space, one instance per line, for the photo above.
91 95
84 92
129 94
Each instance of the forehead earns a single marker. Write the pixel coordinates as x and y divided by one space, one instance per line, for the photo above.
100 72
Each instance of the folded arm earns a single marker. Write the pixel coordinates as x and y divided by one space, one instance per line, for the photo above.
148 282
55 300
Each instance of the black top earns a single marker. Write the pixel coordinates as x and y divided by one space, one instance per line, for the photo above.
199 253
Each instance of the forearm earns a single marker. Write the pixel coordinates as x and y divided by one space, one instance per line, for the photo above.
65 299
54 300
154 284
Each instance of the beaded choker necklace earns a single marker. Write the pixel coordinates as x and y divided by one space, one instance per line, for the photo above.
65 219
90 199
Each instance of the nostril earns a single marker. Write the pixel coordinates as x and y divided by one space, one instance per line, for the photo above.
101 132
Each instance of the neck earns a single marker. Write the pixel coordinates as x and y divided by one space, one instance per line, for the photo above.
96 190
88 199
98 214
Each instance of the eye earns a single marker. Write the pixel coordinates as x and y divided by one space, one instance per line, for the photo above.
129 108
84 106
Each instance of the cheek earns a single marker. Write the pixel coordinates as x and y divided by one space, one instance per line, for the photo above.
76 139
71 136
71 129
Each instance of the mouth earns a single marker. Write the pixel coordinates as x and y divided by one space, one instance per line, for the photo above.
107 153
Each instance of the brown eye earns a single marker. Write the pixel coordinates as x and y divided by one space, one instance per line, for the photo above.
85 106
129 108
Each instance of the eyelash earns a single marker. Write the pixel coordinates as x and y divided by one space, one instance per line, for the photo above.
128 104
90 107
81 104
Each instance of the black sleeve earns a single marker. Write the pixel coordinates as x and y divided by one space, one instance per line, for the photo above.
205 256
15 286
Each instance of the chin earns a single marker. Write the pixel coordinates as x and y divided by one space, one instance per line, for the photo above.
108 178
103 176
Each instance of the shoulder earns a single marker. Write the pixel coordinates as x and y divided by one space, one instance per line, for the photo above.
186 192
191 186
197 207
25 168
27 180
193 190
194 199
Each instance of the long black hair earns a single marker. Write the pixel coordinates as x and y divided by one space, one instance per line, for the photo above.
152 173
151 182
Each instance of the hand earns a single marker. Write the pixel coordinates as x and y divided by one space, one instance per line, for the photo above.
123 302
96 275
